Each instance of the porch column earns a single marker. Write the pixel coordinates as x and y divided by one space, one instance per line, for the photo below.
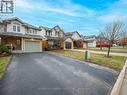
22 44
64 45
72 45
41 45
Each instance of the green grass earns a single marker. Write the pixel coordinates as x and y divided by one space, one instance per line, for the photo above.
3 64
115 62
113 49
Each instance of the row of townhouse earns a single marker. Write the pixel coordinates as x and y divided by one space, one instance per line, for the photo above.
23 37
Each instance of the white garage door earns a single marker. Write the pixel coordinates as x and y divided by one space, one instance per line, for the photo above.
31 46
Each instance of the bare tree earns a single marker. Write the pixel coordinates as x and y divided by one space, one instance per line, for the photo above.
112 32
101 40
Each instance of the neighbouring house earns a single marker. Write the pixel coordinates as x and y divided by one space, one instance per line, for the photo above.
89 41
122 42
20 36
54 36
73 40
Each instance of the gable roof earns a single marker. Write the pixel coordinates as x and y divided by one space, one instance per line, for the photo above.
70 34
58 27
67 38
89 37
50 29
24 23
46 28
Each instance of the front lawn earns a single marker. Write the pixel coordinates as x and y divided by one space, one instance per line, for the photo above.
115 62
113 49
3 64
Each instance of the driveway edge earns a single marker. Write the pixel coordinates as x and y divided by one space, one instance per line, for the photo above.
118 84
10 59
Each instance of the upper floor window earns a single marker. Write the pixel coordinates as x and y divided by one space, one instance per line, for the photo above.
35 32
56 33
32 31
46 32
49 33
16 28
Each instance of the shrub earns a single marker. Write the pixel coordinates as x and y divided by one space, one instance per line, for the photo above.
4 48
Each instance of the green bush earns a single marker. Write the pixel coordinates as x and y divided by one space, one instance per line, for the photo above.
4 48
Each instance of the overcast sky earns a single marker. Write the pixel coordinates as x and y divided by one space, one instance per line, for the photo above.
85 16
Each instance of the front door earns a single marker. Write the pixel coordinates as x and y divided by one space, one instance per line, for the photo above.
18 45
68 45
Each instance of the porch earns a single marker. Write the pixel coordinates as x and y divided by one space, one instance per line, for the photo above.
13 43
54 43
21 44
69 43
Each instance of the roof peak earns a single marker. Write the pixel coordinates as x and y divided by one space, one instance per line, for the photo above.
21 21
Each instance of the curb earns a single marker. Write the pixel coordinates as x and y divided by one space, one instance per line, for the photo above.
118 84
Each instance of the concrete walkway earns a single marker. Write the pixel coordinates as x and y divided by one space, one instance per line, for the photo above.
99 52
123 90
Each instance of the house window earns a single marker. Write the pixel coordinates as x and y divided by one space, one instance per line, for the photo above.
46 33
30 31
14 27
35 32
18 28
51 33
56 33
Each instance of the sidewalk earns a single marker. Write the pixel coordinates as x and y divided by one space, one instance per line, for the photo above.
99 52
123 90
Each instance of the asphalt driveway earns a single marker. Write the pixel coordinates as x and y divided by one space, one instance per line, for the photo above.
46 74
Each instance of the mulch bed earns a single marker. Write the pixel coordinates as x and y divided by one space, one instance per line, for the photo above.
4 54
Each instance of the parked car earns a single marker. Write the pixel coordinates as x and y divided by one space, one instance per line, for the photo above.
103 45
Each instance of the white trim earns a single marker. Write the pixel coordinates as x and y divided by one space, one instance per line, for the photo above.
22 44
